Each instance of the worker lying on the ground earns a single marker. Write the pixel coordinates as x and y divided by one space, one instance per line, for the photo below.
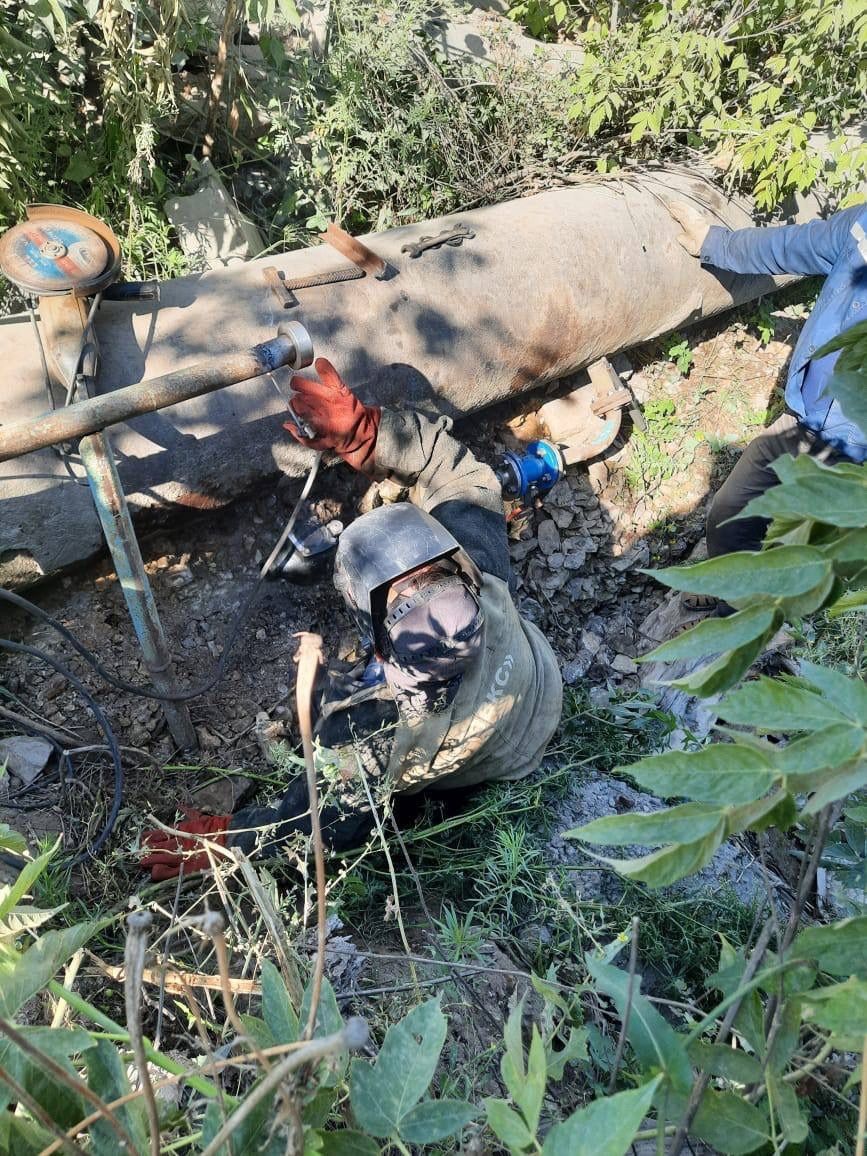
466 691
813 422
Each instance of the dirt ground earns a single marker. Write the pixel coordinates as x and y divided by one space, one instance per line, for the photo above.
576 561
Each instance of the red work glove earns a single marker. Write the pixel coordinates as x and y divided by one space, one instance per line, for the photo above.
341 422
168 852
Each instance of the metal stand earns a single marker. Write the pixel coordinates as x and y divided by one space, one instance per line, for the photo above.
111 506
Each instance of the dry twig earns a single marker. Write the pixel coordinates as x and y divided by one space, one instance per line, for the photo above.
308 658
138 925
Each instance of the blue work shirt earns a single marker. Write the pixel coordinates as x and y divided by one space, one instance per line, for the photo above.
837 249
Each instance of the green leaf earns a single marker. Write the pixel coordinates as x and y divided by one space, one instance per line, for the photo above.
724 672
850 389
28 876
290 10
669 864
22 1137
432 1120
574 1052
841 1008
526 1085
64 1106
839 948
830 747
737 578
851 600
730 1063
606 1127
11 841
258 1031
21 919
847 548
837 784
826 496
532 1092
674 825
786 1041
328 1021
724 773
804 604
106 1076
512 1063
277 1010
774 705
22 976
80 168
729 1124
750 1019
848 339
383 1093
848 694
775 810
785 1104
713 635
507 1125
317 1111
348 1143
656 1044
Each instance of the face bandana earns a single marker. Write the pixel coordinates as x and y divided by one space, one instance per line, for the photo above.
434 635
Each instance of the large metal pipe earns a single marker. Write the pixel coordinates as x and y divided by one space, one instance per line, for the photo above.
547 285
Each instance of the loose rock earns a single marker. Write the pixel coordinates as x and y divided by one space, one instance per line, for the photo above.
25 756
549 537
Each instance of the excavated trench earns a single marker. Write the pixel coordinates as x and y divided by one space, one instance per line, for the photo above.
576 561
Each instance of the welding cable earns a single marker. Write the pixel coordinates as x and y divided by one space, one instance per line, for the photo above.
231 635
111 742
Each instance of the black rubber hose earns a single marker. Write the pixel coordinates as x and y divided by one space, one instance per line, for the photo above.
130 687
104 726
231 634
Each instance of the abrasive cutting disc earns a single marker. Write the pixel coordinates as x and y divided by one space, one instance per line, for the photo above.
51 255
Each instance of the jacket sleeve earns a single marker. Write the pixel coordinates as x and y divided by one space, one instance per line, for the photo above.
446 480
806 249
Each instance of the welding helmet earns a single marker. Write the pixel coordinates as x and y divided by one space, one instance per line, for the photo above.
388 543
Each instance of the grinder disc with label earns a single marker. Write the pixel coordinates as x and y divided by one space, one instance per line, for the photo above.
59 251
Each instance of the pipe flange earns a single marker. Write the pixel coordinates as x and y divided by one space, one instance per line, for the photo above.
302 341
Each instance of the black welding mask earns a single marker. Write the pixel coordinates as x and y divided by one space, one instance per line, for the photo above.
385 545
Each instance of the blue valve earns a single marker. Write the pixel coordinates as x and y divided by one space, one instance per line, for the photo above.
536 471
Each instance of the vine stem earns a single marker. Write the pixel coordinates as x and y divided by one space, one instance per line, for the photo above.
701 1083
308 658
627 1011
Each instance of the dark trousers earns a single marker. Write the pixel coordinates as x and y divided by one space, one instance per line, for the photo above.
752 476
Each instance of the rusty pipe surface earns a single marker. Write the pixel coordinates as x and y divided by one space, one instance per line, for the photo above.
96 413
547 285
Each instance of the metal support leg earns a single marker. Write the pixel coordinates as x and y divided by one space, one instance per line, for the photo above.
110 502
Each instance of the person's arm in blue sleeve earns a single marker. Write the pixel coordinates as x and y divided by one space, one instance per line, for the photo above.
806 249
